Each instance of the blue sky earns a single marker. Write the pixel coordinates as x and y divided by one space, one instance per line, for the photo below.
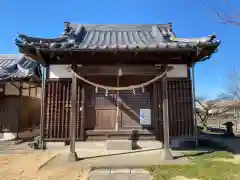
190 18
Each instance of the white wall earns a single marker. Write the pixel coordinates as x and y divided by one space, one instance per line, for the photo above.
178 71
63 71
59 71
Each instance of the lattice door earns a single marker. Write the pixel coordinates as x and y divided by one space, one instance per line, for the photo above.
131 103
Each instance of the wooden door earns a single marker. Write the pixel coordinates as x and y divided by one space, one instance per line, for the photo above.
101 107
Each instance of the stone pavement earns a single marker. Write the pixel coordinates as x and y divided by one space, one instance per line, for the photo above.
119 174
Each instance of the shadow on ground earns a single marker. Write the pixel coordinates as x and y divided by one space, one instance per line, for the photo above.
119 153
212 140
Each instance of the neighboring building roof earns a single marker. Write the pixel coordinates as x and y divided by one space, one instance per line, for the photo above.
14 67
118 36
228 103
219 104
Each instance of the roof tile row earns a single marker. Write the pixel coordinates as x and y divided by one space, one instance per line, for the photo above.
16 67
83 37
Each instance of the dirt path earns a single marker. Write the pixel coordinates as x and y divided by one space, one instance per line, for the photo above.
26 167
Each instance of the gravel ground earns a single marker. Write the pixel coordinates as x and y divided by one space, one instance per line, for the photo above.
26 167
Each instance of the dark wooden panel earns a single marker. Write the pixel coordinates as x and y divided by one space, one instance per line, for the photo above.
100 107
57 114
2 89
180 107
129 58
130 103
129 120
105 118
9 113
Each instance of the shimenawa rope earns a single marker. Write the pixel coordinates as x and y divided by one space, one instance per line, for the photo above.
119 88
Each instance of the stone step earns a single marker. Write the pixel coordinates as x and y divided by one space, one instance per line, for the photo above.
119 145
119 174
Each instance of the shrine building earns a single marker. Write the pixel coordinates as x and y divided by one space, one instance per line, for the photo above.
117 81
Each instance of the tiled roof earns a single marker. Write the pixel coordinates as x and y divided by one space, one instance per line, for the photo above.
16 67
111 37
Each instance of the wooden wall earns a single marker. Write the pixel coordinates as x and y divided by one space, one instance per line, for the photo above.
57 112
180 108
19 112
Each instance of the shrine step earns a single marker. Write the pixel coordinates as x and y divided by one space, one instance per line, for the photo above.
119 145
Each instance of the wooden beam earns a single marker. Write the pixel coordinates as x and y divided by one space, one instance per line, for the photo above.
113 59
137 70
72 128
167 154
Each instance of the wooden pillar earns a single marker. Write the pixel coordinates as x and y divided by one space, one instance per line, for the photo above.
43 91
82 111
119 74
194 106
156 108
72 156
167 153
19 109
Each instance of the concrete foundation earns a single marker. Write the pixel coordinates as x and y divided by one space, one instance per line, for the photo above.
167 154
101 145
119 145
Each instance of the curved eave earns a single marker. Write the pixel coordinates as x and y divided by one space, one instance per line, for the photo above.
202 51
30 39
31 78
207 52
137 49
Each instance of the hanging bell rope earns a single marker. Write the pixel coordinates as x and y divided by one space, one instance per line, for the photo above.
121 88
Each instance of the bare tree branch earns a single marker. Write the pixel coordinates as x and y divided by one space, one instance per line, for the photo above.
230 16
233 88
208 109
